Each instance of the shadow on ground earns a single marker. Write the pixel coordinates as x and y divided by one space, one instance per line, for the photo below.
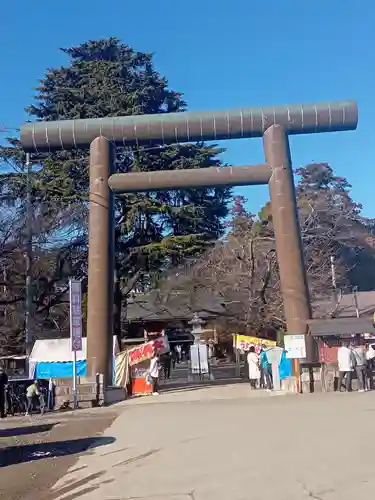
24 431
28 453
171 386
75 487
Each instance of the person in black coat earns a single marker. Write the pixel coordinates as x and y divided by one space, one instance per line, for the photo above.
3 384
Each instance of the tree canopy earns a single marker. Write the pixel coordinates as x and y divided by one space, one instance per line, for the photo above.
153 230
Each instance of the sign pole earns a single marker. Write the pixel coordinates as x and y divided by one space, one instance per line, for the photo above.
297 374
75 296
75 402
295 346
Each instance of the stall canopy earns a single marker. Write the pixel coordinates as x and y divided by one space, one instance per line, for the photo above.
341 327
52 358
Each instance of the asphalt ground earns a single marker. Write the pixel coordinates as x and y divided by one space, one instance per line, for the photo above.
36 451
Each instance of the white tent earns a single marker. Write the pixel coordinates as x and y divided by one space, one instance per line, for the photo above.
48 355
59 350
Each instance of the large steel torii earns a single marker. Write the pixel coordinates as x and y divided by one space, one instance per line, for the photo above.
274 123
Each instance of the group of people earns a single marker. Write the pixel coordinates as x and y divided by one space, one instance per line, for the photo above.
355 357
169 360
162 364
166 362
260 369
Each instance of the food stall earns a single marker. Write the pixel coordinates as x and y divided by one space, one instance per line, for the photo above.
139 362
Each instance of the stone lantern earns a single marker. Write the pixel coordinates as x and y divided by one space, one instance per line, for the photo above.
197 330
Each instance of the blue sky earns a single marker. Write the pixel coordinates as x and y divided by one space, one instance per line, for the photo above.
235 54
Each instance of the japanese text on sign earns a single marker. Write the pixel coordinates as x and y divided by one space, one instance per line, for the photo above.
75 315
144 351
295 346
244 342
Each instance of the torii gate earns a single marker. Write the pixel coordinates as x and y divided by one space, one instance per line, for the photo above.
273 123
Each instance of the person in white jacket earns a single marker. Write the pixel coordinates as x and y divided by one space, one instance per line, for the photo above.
254 368
346 362
154 372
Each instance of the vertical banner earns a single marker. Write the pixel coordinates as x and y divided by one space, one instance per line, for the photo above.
199 359
75 300
75 315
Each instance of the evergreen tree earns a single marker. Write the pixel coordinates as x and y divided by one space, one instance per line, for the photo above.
153 230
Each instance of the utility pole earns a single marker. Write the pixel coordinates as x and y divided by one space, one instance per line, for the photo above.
333 276
355 290
28 256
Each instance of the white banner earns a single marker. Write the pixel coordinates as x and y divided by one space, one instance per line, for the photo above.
75 315
199 359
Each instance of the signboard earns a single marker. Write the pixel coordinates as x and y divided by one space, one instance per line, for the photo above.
75 300
199 359
244 342
295 346
144 351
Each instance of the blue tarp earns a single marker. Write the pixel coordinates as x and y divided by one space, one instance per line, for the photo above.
59 370
46 370
285 367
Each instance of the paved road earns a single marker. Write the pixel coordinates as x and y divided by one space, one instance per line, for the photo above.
36 451
225 442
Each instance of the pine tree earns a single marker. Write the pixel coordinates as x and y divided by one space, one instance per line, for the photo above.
153 230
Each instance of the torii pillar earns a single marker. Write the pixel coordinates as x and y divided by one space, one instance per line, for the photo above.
100 261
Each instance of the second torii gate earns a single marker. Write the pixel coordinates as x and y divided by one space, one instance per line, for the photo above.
273 123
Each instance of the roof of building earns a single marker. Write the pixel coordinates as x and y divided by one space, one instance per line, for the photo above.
153 307
341 327
346 306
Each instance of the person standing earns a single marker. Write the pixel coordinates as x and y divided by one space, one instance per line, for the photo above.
174 357
42 400
154 371
254 370
265 369
370 356
345 361
31 392
167 364
3 385
360 365
178 354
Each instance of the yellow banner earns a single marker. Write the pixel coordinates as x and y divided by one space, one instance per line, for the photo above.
243 342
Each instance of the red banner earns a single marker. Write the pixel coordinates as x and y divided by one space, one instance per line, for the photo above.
144 351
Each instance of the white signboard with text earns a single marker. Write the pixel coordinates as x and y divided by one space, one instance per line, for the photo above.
295 346
75 297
